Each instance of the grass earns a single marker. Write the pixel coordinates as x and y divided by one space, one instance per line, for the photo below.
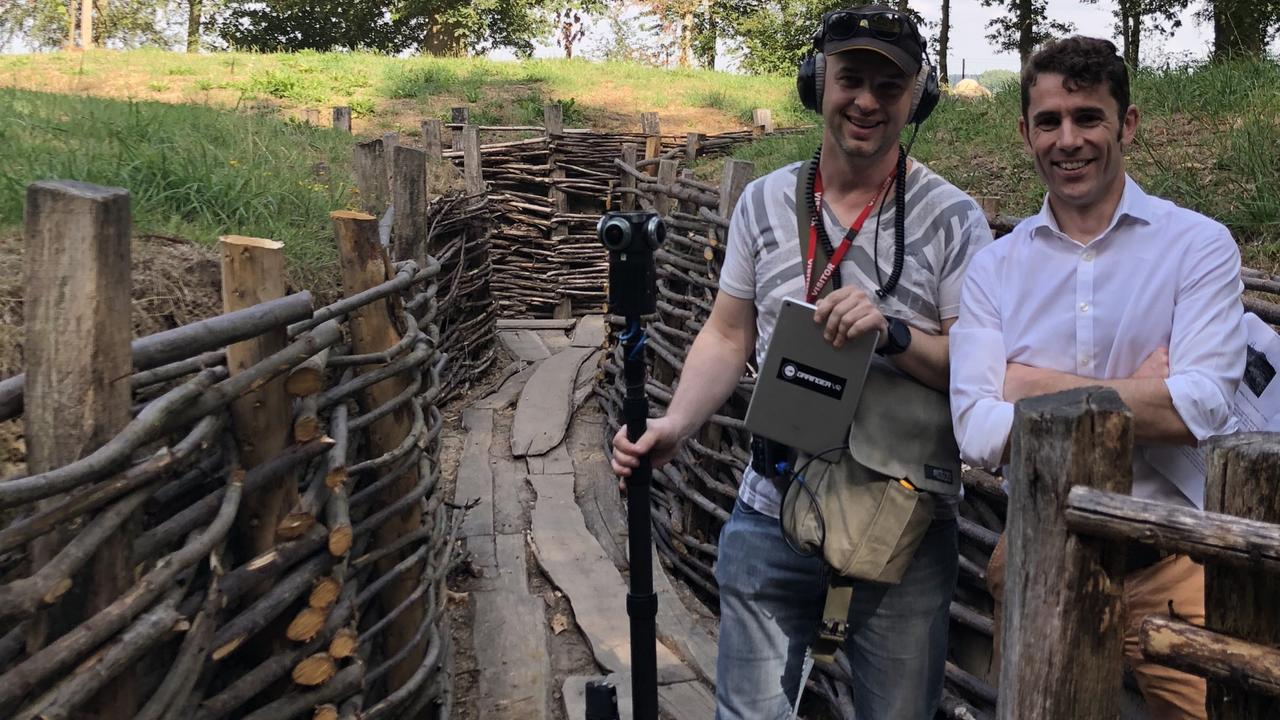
1206 141
193 172
395 94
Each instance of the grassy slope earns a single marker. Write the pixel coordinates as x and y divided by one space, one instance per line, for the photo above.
199 169
1207 140
391 93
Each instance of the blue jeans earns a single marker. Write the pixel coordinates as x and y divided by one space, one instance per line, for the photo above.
771 604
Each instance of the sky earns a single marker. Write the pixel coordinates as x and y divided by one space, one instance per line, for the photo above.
968 34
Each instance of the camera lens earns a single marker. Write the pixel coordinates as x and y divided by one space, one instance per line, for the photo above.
615 233
655 232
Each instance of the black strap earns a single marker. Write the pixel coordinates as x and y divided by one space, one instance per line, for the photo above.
803 196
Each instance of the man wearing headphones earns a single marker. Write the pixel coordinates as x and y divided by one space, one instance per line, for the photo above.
907 236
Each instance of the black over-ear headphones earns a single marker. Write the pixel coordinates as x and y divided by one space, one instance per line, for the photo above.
811 77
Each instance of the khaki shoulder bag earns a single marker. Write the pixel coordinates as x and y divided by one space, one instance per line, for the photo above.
868 509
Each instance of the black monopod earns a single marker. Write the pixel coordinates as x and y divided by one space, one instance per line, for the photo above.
631 239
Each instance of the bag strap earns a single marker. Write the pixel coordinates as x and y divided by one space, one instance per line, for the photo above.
835 620
835 613
802 226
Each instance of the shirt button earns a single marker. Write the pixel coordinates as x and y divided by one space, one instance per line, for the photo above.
1087 256
1084 307
1084 359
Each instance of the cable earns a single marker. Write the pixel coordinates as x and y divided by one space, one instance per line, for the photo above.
798 477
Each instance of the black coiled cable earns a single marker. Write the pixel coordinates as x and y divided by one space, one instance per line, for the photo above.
899 225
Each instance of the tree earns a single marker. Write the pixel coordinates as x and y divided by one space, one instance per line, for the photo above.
1024 27
944 42
1241 28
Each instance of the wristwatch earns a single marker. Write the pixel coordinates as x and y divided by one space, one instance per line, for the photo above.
898 338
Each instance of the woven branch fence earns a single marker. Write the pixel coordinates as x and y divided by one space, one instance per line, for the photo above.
240 517
694 494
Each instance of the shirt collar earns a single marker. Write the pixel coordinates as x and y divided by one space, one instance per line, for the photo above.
1134 203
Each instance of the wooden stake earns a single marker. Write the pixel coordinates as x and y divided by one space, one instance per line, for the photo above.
342 119
373 329
311 116
253 272
630 155
762 118
1243 602
472 171
77 325
431 141
652 129
368 164
667 170
691 143
1063 632
409 196
459 116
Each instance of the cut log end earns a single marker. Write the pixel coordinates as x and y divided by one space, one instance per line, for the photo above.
315 670
340 540
227 649
325 712
307 624
335 478
250 242
58 590
306 428
325 592
350 215
344 643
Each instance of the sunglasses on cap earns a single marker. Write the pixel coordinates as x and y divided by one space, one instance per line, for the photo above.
881 24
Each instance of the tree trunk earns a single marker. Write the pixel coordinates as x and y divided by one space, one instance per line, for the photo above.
195 11
1240 28
1026 29
944 42
86 24
71 24
443 39
686 37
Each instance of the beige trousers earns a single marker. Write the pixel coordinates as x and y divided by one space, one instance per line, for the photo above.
1175 580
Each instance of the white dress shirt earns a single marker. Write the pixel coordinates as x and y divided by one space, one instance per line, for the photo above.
1158 276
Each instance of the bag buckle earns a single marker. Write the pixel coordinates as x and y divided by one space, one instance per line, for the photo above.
833 631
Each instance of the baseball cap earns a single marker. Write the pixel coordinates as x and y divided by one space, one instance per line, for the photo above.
879 28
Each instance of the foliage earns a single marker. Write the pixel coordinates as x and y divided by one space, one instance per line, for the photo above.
441 27
45 25
193 172
1025 25
1206 141
996 78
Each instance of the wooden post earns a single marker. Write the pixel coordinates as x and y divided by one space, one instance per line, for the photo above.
630 155
736 175
1063 631
431 140
472 172
409 197
1243 602
459 116
374 329
652 129
390 141
762 118
342 119
990 205
369 167
553 121
311 116
77 326
253 272
667 170
692 141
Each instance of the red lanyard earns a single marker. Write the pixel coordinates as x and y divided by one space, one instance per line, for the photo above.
811 291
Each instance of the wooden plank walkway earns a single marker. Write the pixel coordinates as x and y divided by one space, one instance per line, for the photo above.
545 491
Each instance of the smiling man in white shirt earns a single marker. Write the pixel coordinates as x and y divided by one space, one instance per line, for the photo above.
1105 286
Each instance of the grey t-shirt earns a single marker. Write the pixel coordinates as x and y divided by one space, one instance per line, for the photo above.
944 228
